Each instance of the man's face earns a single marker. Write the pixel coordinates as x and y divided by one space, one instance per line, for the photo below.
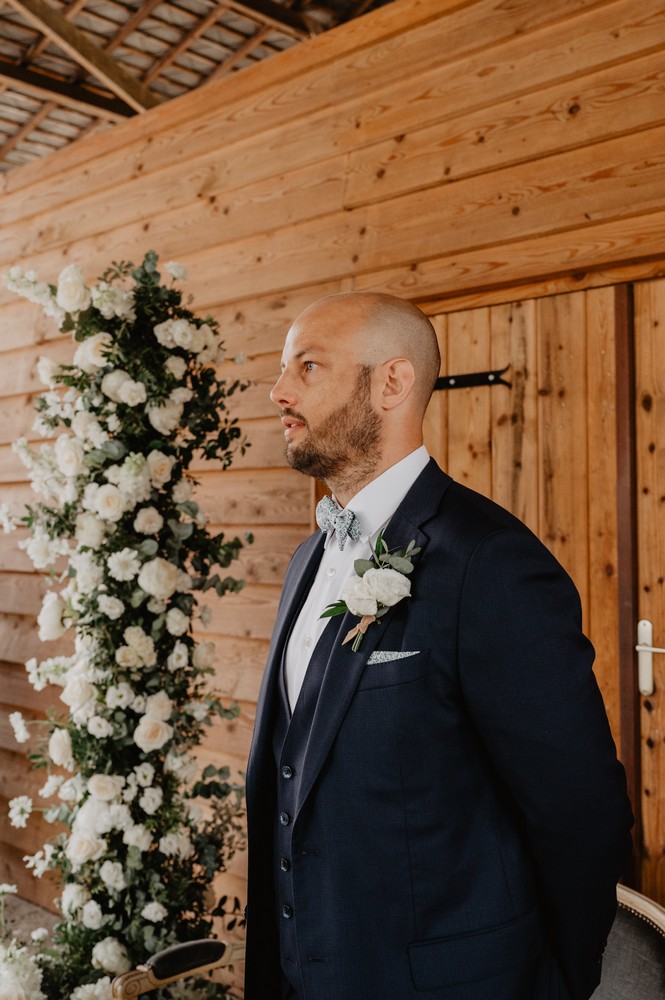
324 395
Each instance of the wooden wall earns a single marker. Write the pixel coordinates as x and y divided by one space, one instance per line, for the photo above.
456 152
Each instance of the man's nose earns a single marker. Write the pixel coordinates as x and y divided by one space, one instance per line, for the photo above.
282 393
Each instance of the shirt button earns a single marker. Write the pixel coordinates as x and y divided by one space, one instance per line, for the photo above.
307 641
287 771
287 912
284 819
284 864
332 571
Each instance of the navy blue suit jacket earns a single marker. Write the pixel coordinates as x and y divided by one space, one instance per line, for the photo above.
462 818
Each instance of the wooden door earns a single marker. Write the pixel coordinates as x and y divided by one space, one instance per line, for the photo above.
650 441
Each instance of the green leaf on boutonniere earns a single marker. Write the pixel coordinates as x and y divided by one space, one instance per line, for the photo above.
338 608
362 565
401 564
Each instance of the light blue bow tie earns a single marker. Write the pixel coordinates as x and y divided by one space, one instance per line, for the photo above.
331 517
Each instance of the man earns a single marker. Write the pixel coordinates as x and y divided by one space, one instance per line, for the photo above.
435 809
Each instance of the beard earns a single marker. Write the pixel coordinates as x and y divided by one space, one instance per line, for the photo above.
345 445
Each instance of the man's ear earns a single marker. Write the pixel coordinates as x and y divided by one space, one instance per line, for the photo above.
398 381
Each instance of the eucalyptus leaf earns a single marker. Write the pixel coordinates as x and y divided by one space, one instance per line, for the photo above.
362 565
401 565
149 547
137 598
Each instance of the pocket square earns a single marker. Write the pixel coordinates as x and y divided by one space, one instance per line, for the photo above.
386 655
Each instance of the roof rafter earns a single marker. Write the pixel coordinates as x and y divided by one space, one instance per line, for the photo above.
79 47
290 22
71 95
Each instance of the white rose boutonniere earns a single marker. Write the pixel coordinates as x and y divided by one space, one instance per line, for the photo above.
379 583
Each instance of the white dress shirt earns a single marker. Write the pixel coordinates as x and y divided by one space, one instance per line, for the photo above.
374 506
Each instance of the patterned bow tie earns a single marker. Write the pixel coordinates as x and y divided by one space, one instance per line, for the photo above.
330 516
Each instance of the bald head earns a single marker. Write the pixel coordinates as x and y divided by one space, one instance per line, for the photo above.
380 327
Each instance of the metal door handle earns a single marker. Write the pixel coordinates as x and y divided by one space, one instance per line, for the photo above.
645 651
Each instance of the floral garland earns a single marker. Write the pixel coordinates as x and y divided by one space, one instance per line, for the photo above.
126 546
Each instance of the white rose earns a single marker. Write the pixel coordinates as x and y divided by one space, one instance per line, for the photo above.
160 466
91 353
47 370
151 734
176 366
105 786
148 521
154 912
151 800
110 956
91 915
92 817
358 598
137 836
204 655
159 706
119 695
112 607
132 393
112 382
50 619
387 586
159 578
177 622
89 531
11 988
178 657
69 455
72 294
126 657
112 875
77 691
165 418
73 897
83 847
109 502
182 491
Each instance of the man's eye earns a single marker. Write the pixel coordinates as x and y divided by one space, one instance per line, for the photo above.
310 366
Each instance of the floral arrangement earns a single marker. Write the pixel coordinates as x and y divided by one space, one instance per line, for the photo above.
126 548
379 583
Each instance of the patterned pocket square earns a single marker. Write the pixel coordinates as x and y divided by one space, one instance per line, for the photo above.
386 655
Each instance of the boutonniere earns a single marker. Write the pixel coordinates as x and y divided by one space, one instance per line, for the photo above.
379 583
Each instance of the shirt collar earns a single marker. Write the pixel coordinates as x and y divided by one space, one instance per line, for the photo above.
377 502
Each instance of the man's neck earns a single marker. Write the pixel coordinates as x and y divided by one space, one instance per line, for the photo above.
347 485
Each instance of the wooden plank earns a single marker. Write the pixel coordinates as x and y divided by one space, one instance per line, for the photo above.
21 594
650 420
435 424
276 496
602 477
619 99
18 372
249 614
514 411
469 427
23 322
467 274
562 444
19 640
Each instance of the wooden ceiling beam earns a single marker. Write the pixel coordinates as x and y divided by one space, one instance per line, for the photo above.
13 141
243 50
78 46
289 22
45 87
43 41
172 54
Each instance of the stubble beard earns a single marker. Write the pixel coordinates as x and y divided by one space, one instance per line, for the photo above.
345 447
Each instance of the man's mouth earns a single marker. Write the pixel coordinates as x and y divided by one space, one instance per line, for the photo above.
291 424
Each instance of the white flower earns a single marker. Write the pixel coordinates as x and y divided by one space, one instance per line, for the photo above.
112 875
50 619
156 606
183 765
205 614
126 657
105 786
60 749
21 734
69 455
142 644
176 366
204 655
386 585
92 817
82 847
47 370
177 622
159 706
73 898
109 502
132 393
148 521
39 934
41 861
112 382
178 657
151 799
53 783
19 810
72 294
111 956
92 353
8 890
113 301
72 790
165 418
197 709
182 491
42 550
160 466
77 692
177 271
91 915
154 912
90 531
176 844
120 695
6 520
357 597
86 427
100 990
123 565
99 727
159 578
151 734
138 836
112 607
89 574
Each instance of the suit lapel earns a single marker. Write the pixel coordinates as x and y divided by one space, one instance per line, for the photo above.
345 668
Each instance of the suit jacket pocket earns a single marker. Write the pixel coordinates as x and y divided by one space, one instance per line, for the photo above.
467 958
391 672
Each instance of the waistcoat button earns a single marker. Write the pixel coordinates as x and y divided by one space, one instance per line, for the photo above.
284 864
284 819
287 912
287 772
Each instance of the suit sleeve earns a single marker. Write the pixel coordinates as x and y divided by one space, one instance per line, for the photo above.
526 673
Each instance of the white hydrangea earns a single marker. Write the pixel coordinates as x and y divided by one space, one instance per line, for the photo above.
21 732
